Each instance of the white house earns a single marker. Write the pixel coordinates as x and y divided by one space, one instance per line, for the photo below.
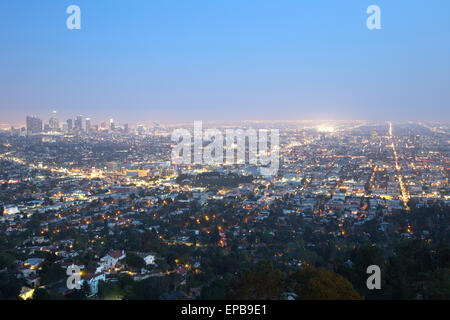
110 260
93 282
149 258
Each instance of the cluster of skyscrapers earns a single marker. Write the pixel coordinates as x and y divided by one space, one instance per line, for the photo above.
35 125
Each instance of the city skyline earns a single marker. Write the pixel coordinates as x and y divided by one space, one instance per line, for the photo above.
61 120
81 123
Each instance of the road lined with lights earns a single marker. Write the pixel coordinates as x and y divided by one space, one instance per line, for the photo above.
405 195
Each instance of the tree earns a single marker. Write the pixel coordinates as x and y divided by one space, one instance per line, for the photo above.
41 294
151 288
108 290
86 289
51 272
76 295
262 283
215 291
363 257
134 261
414 272
214 237
35 223
9 285
437 285
321 284
7 261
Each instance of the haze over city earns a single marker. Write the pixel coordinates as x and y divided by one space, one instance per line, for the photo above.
181 61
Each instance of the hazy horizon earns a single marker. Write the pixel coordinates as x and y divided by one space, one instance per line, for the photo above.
172 123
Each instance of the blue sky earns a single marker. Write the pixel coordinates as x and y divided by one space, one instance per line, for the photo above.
178 60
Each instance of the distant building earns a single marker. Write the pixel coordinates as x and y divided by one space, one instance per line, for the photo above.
34 125
69 125
53 122
11 209
140 129
88 125
14 131
149 258
79 123
110 260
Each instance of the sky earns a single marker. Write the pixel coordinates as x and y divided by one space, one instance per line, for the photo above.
172 60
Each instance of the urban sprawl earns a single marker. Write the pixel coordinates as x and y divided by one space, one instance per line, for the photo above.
109 199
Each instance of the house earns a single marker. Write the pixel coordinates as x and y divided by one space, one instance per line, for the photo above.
33 263
110 260
30 267
93 281
26 271
149 258
26 293
33 280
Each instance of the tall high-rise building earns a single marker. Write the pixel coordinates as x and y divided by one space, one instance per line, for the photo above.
112 125
140 129
126 129
14 131
34 125
79 123
53 122
155 128
69 125
88 125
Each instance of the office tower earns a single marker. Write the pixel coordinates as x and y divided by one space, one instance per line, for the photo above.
155 128
140 129
53 122
79 123
88 125
69 125
34 125
112 126
126 129
14 131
